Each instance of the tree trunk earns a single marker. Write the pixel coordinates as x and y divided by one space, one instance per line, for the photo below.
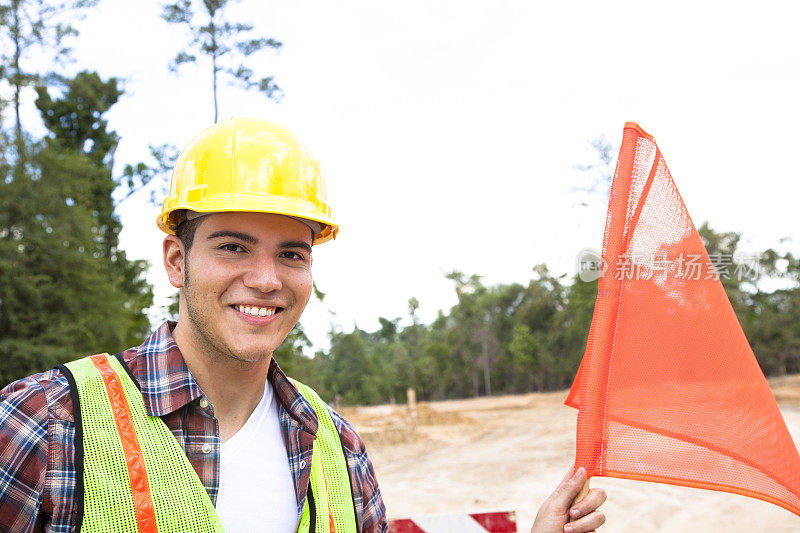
487 371
16 79
17 82
214 64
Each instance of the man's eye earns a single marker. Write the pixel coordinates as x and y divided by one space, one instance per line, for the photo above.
293 255
230 247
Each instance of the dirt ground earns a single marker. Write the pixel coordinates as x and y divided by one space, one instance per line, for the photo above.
509 453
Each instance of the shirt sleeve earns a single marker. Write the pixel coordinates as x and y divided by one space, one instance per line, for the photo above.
23 455
366 493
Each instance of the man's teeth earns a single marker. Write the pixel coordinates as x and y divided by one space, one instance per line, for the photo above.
256 311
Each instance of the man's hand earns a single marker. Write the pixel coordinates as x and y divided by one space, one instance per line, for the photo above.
558 515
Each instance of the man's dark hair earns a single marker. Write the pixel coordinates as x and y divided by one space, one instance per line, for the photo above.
185 232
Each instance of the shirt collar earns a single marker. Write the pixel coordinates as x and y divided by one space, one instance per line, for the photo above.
167 384
295 405
162 374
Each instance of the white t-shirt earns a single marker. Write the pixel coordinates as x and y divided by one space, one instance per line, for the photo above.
256 490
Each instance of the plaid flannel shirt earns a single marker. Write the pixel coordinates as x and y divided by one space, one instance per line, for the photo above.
37 434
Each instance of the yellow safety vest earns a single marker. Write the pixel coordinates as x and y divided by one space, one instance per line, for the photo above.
136 478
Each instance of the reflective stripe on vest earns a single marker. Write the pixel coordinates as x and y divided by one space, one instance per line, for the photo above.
137 478
330 479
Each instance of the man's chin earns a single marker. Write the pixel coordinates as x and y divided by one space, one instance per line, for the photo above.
251 356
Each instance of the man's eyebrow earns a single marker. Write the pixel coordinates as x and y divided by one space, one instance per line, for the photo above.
244 237
249 239
297 244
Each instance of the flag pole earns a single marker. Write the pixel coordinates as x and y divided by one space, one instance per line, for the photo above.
582 494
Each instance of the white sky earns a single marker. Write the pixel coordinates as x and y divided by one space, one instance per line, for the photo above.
448 130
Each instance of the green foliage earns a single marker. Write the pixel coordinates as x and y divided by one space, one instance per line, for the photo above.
226 44
525 349
289 354
79 134
76 120
27 25
66 289
514 338
353 371
137 177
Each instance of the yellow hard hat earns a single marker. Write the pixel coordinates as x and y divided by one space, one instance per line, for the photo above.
247 164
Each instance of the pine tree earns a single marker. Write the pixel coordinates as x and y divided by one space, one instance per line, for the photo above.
66 289
26 25
226 44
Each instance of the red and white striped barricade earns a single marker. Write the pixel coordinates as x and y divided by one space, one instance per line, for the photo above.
499 522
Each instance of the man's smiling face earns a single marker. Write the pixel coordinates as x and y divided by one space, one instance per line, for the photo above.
244 283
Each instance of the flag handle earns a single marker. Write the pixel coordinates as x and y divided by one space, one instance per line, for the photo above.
584 491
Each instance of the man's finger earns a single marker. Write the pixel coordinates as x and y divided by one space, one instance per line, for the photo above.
594 499
567 477
565 494
588 523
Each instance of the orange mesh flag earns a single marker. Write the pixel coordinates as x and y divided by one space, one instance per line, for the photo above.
668 389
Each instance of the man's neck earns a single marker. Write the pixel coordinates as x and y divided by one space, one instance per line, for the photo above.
233 387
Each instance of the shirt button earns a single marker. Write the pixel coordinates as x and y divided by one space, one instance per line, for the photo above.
205 448
203 403
302 464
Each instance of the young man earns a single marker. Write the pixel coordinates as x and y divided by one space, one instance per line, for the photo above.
198 429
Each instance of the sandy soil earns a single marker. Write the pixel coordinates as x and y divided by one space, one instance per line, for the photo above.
509 453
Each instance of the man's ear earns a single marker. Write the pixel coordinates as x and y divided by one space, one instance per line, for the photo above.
175 261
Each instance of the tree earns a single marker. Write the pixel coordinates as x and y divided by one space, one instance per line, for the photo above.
513 338
77 126
26 25
79 133
353 370
225 43
65 287
289 354
525 349
476 338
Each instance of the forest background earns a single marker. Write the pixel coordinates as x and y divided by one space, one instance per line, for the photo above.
68 288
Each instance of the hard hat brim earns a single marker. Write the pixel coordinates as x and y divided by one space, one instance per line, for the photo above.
169 220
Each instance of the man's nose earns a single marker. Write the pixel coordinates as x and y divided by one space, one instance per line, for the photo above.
263 276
